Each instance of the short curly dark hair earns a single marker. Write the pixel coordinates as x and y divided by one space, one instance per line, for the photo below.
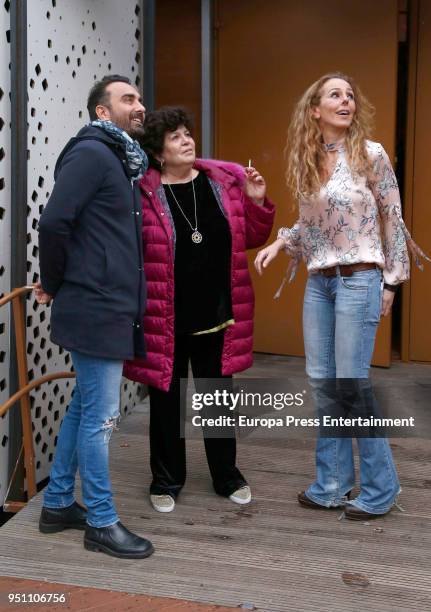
157 124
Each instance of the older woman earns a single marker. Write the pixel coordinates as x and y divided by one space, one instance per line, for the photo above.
199 217
351 234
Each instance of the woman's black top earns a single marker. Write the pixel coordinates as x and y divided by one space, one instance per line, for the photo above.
202 270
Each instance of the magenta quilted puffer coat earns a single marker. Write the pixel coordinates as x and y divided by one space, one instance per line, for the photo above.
250 226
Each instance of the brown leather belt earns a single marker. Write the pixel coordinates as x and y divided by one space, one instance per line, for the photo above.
348 270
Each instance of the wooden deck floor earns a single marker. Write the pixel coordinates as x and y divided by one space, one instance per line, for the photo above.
271 554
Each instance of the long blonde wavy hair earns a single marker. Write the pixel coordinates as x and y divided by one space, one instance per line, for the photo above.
304 148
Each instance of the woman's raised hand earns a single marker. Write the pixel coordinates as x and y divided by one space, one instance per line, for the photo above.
254 186
266 255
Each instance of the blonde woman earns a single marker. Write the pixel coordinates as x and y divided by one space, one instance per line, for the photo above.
353 239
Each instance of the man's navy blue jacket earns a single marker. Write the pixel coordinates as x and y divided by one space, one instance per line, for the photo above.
90 248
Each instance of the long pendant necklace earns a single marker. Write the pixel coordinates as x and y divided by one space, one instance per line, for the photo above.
196 235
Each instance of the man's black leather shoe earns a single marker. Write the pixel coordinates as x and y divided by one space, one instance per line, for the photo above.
53 520
355 514
117 541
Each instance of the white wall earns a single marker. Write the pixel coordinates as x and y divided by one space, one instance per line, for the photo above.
71 43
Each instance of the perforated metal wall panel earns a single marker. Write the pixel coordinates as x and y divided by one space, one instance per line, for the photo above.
4 234
71 43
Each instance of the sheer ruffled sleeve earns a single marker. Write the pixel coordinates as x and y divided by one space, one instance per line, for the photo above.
292 246
396 237
292 239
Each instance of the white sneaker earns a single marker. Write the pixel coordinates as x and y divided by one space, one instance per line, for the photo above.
162 503
241 496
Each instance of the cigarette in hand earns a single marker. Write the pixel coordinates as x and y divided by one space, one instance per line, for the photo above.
249 163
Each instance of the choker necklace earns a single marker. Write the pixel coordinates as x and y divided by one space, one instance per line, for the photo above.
333 146
196 235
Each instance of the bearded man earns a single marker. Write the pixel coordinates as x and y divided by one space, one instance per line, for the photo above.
91 268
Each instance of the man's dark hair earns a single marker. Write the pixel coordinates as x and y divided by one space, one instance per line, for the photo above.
157 124
99 95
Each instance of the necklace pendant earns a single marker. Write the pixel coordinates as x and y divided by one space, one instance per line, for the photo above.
196 237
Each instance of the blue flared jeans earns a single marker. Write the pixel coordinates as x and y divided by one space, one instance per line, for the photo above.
340 319
83 440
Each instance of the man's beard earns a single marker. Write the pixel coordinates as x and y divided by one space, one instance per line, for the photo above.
134 131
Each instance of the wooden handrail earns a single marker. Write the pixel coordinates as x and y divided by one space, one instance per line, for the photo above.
32 385
18 292
23 394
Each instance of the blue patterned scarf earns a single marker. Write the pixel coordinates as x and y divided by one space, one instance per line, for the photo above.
137 160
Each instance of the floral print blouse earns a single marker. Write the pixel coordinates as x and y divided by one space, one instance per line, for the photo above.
343 223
